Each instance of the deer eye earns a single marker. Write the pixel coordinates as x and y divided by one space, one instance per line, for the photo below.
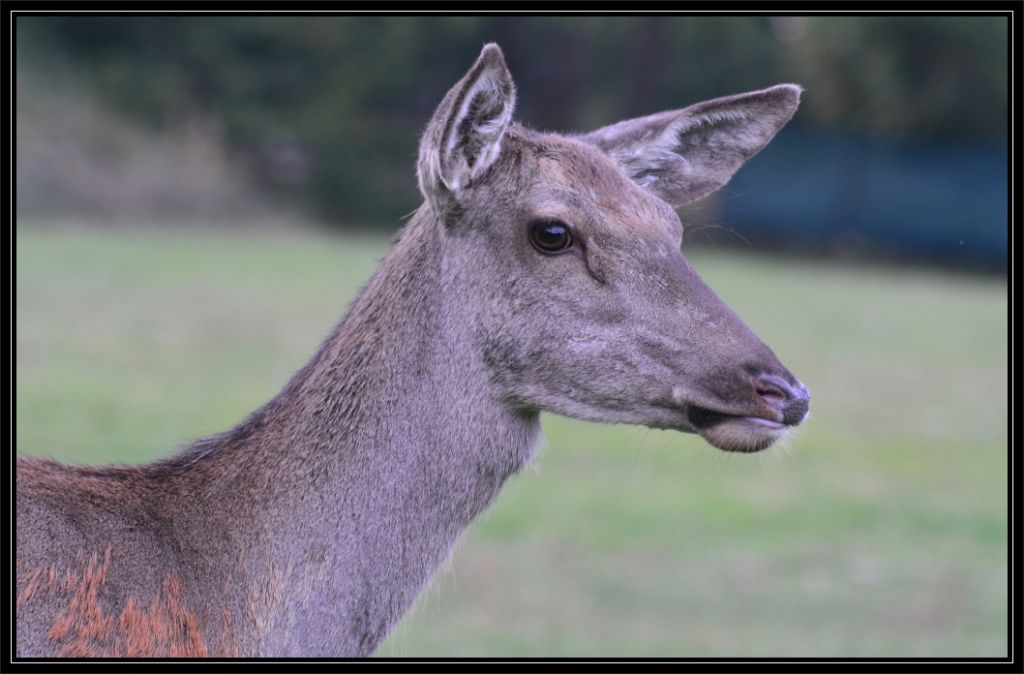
550 236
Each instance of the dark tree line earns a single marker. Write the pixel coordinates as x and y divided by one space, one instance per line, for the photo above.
327 110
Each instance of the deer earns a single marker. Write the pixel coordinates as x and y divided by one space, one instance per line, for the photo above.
542 272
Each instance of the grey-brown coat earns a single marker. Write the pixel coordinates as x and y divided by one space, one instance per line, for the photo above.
542 272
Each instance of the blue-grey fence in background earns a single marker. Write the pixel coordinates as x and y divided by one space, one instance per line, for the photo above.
938 202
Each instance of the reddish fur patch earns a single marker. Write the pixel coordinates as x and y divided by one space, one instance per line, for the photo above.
225 645
164 627
83 622
30 589
38 581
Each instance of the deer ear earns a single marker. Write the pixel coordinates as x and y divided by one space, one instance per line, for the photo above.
464 136
683 155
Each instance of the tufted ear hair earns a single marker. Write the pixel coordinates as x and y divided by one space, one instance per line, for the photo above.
683 155
463 138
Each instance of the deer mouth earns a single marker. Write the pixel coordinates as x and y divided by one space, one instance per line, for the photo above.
735 432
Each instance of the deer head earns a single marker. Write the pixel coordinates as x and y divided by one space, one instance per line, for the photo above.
569 251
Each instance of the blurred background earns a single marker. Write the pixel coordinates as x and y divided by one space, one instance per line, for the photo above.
199 199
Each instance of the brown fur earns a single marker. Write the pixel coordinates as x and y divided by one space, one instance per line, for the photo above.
163 626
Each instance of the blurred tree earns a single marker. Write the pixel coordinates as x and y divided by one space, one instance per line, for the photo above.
326 111
903 76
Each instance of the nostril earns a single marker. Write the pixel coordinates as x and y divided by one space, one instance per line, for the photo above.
772 390
790 401
771 395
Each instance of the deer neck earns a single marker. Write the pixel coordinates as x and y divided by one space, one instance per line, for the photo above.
377 454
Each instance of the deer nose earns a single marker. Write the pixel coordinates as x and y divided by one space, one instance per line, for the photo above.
790 400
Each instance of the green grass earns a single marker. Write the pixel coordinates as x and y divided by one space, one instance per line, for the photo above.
879 531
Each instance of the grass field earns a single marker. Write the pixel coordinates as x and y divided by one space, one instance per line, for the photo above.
879 531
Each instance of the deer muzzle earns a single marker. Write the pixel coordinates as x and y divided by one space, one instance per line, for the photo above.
775 405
